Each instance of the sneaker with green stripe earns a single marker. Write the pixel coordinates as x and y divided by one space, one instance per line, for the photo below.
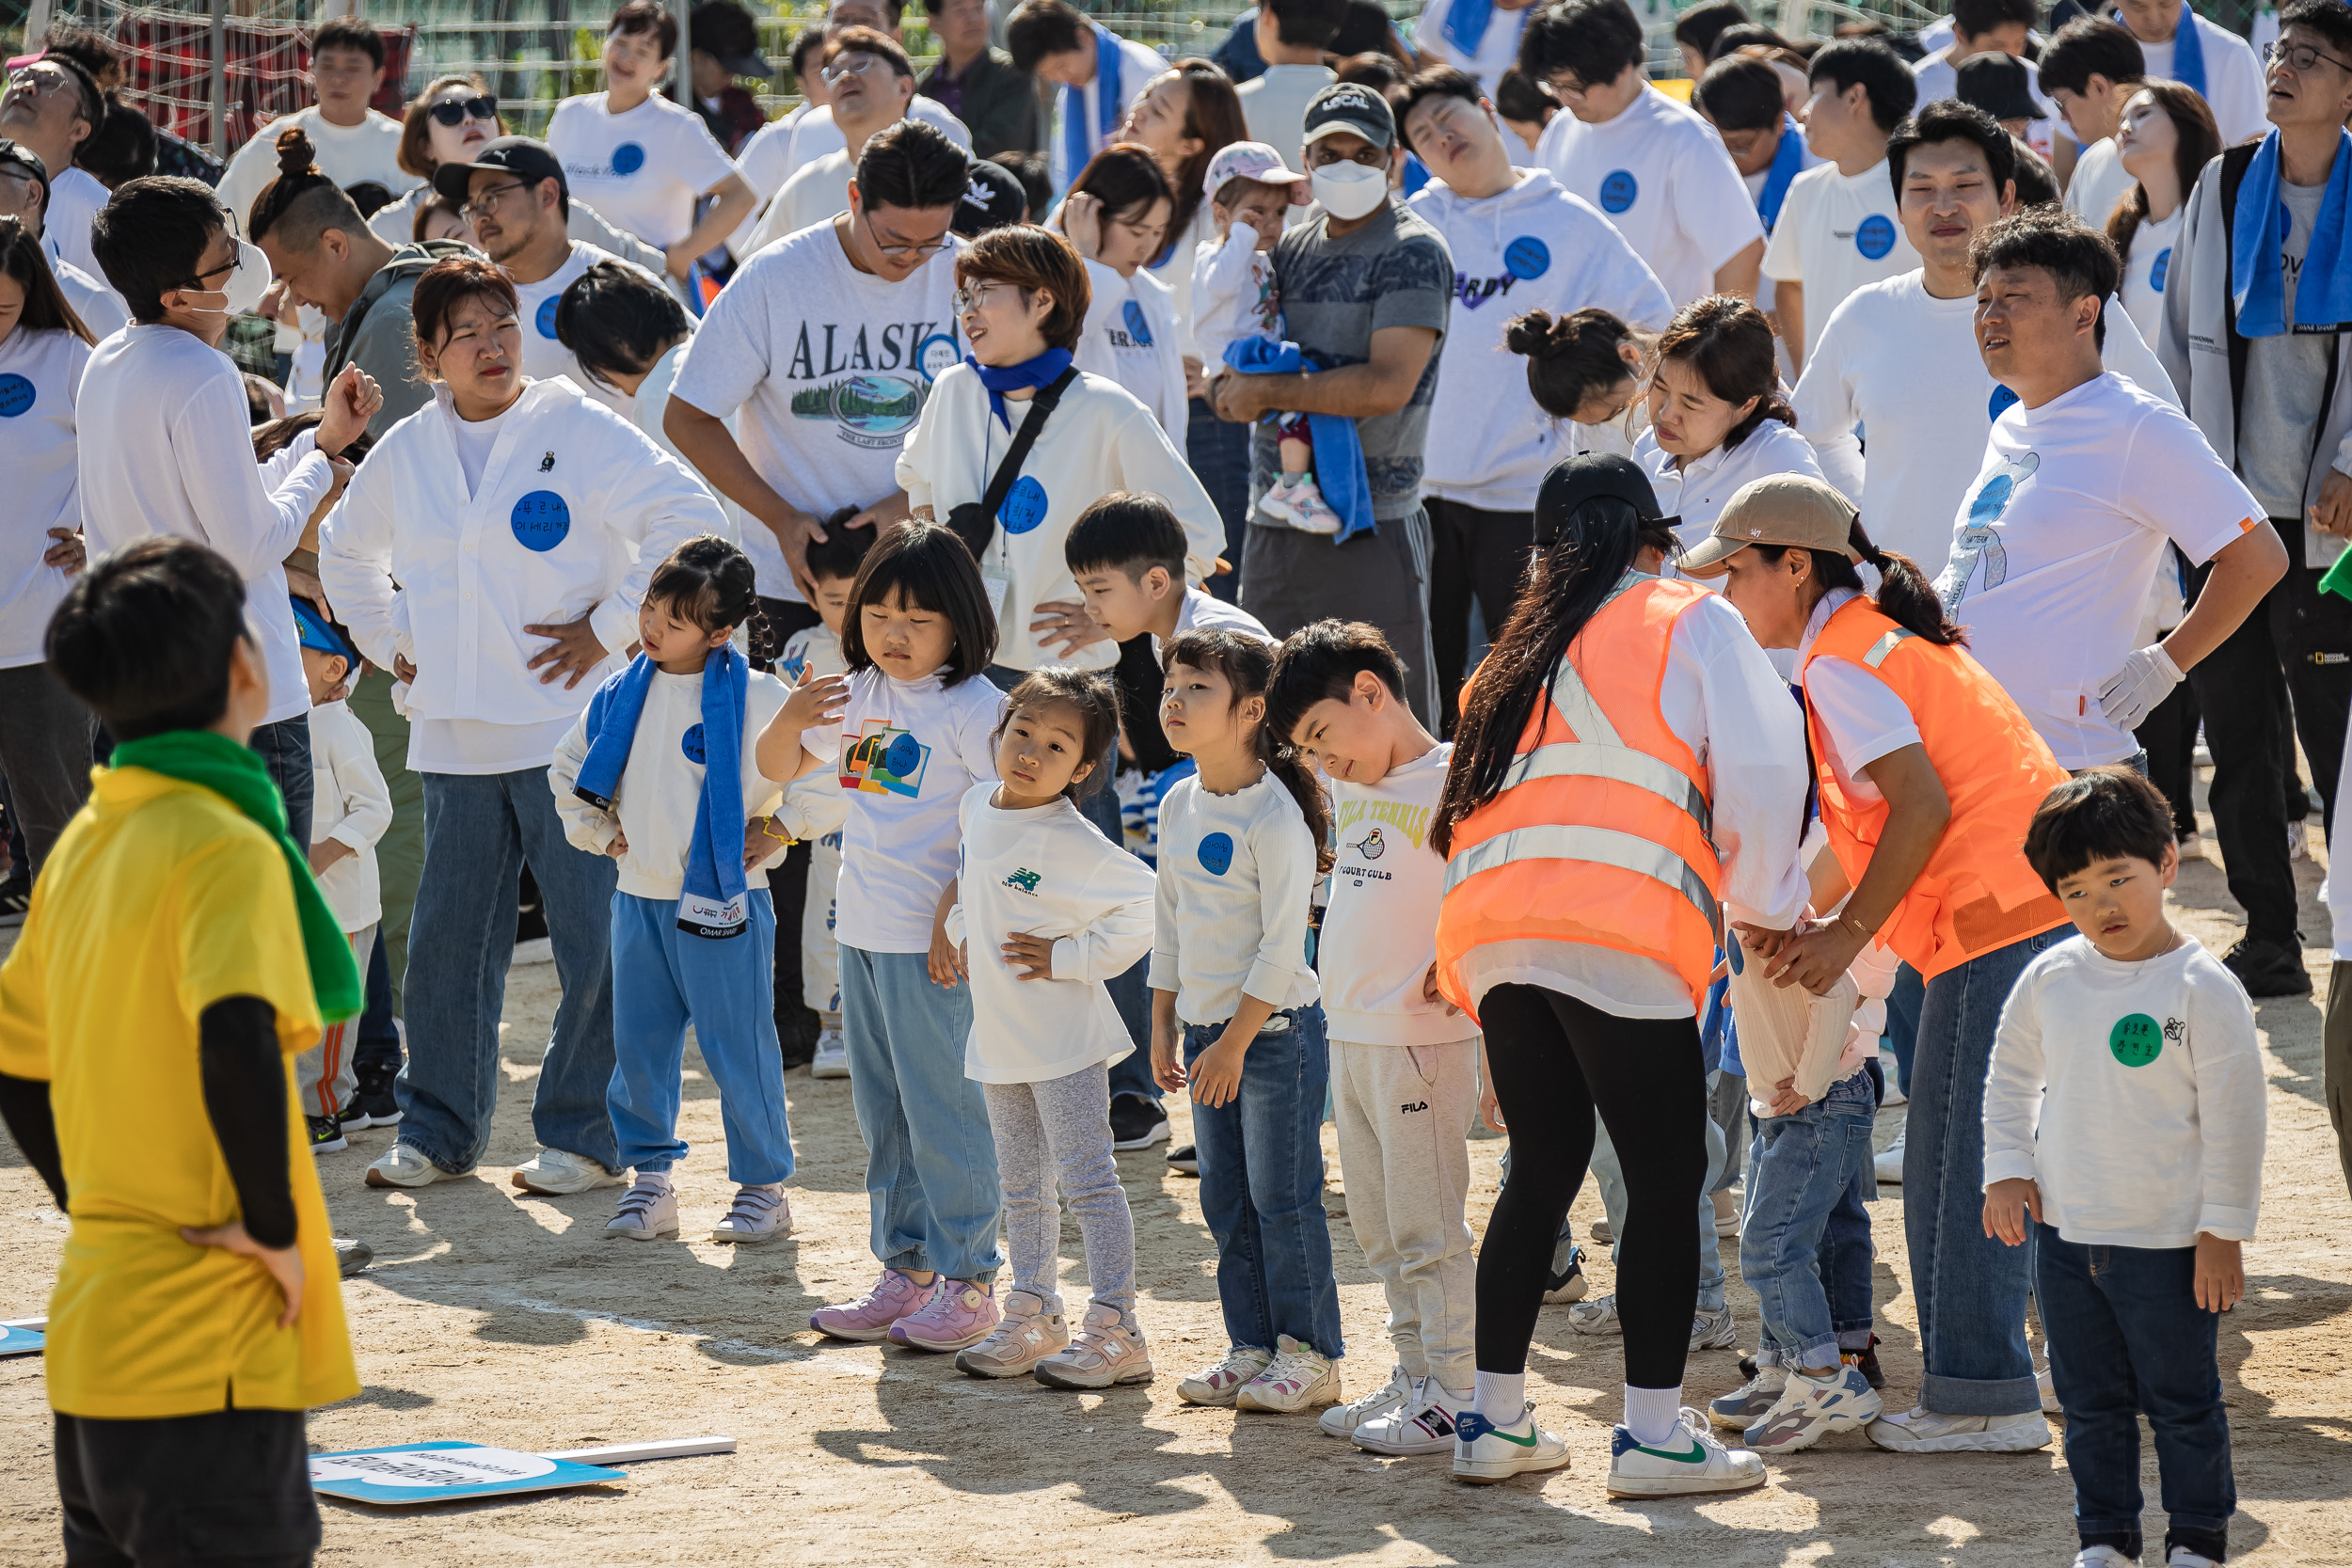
1484 1453
1692 1459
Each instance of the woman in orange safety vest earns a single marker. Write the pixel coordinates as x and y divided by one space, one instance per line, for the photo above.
1627 767
1928 774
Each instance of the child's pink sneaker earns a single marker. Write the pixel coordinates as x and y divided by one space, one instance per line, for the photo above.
957 1313
868 1317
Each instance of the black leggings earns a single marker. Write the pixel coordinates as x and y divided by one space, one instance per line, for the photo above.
1555 1060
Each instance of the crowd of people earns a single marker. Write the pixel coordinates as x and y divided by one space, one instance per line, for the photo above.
1395 582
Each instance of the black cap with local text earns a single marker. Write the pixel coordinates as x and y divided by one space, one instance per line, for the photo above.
1352 108
528 160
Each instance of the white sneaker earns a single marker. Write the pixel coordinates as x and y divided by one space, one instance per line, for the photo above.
405 1165
1922 1430
1601 1233
1746 1404
2181 1557
1596 1316
1309 512
1276 502
2048 1388
2192 847
1424 1424
759 1213
1692 1459
1298 1378
832 1056
557 1171
1726 1213
2108 1556
1484 1453
1889 1160
1713 1330
1810 1408
647 1211
1218 1384
1892 1071
2299 848
1343 1419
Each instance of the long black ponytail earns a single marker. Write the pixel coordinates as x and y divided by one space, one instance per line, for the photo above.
1247 666
1905 596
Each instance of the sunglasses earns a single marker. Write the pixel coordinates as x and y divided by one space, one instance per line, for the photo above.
457 112
848 65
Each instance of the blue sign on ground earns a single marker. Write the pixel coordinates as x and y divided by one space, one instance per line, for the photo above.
410 1473
20 1342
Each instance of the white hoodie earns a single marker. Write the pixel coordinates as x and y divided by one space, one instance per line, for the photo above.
1133 336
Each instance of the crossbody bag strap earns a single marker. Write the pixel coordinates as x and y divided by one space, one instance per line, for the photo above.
1000 483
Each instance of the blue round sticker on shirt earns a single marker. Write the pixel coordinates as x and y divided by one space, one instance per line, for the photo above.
934 354
1876 236
540 520
1216 854
2163 264
2002 400
1137 328
1025 507
691 743
1618 191
16 396
545 317
904 759
1527 257
627 158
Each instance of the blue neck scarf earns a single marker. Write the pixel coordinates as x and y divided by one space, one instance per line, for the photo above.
2323 295
1078 138
2188 50
713 903
1787 159
1466 23
1000 379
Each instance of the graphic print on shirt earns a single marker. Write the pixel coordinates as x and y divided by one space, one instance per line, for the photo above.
626 159
885 760
871 382
1357 827
692 744
2162 265
1979 540
1024 880
1619 190
1523 259
2137 1040
543 318
16 396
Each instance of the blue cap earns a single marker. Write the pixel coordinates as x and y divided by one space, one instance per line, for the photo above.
316 631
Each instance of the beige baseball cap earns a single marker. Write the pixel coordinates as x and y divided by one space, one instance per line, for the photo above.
1794 510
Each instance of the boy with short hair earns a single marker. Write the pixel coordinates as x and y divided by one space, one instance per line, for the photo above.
177 957
2124 1115
1127 556
1404 1061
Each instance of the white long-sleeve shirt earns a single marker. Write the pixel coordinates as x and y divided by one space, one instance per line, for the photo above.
1131 336
574 510
1232 294
1044 871
1238 874
40 373
350 805
2132 1095
166 447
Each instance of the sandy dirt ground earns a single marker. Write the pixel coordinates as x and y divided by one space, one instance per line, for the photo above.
503 1319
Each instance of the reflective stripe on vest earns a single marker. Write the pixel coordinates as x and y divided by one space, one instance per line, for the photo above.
1885 645
1601 846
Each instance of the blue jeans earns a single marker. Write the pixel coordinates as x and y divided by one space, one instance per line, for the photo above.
1847 1257
2126 1339
663 979
1805 1166
1902 1020
1970 1288
1218 450
480 830
1261 1185
930 1160
284 748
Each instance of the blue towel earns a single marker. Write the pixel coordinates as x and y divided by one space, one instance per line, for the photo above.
713 904
2188 50
1416 174
1339 450
1788 158
1465 25
1078 138
2323 295
999 379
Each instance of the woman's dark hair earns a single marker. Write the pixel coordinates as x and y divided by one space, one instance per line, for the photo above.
644 16
1127 180
1086 693
1701 25
144 633
616 320
2101 814
929 567
434 202
46 309
2195 142
1030 258
151 237
1518 97
1247 666
416 124
1593 40
709 581
1567 582
121 149
302 202
447 282
1727 341
259 408
1569 358
272 437
1905 596
1213 114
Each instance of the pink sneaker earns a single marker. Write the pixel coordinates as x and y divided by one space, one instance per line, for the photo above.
869 1318
957 1313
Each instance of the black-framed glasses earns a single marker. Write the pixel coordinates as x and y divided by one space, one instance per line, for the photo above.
895 251
967 299
2301 57
455 112
234 264
484 202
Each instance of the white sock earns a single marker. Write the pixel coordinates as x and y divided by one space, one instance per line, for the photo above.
1650 1414
1502 1397
1457 1401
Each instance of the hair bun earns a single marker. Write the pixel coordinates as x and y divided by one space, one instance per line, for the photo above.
1538 335
295 155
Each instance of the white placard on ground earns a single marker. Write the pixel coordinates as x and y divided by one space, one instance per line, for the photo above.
407 1474
23 1337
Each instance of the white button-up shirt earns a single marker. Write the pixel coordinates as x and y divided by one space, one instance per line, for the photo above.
1697 492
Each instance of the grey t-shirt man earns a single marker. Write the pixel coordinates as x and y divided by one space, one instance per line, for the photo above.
2286 380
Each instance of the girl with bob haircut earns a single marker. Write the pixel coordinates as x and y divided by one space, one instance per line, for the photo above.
1717 415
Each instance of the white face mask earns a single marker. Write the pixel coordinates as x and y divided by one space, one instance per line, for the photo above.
246 285
1349 191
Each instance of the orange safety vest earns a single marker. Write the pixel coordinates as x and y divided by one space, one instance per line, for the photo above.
1977 892
1599 832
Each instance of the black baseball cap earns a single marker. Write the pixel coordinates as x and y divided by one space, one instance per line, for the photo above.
993 199
1575 482
527 159
1997 83
1353 107
16 155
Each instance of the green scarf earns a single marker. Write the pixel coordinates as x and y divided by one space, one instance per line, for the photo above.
239 776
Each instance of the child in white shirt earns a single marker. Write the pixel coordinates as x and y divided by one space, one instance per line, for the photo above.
1404 1060
1049 909
2123 1125
351 808
1234 991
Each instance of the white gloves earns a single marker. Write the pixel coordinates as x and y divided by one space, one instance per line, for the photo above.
2133 691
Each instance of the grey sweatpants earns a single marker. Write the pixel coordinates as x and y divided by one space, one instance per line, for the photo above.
1291 578
1056 1134
1404 1115
44 753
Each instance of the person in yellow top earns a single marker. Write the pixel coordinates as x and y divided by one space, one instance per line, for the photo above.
176 960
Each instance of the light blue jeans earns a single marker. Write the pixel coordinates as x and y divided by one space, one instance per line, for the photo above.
1803 1165
663 979
930 1160
480 830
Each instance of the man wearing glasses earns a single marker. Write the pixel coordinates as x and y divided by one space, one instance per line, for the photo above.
2181 46
872 82
352 141
50 108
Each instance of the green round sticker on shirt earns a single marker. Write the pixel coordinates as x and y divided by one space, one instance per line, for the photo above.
2136 1041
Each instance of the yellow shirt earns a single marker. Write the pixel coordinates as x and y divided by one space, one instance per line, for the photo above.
161 899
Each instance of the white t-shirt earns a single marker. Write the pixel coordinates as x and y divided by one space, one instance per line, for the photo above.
815 132
765 163
1236 876
350 805
2131 1094
476 439
814 805
1697 492
2099 182
816 191
645 411
2234 89
1044 871
1861 717
1129 338
346 154
1498 46
1380 927
40 378
2145 271
643 169
1275 106
2059 540
1139 66
74 198
1836 232
830 367
906 753
1659 173
1204 612
100 308
544 356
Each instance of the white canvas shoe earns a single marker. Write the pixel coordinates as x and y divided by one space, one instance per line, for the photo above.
1341 1420
556 1172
